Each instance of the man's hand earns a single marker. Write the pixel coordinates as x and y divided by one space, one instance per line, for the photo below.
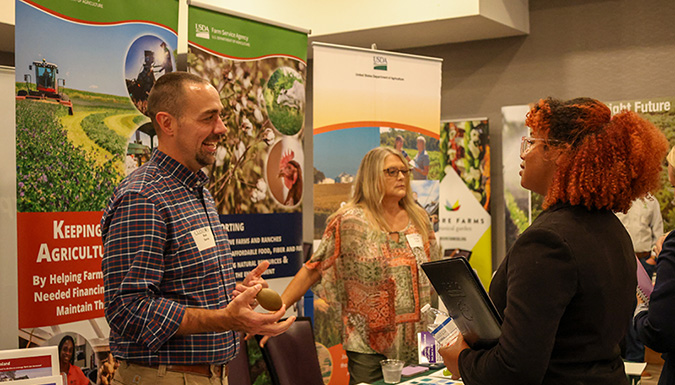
239 315
450 356
254 277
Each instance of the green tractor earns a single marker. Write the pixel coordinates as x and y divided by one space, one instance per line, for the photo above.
46 87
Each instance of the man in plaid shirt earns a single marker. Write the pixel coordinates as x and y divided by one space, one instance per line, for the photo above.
170 297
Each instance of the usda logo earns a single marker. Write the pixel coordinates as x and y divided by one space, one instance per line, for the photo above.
202 31
380 63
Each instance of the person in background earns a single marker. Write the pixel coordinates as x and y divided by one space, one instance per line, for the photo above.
398 145
74 374
420 169
644 224
565 287
653 321
368 265
171 301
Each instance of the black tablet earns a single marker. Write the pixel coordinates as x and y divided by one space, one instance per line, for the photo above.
466 300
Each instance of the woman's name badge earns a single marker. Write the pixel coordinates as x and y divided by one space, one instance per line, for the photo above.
415 240
203 238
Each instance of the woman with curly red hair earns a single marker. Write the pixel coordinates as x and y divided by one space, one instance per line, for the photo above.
567 285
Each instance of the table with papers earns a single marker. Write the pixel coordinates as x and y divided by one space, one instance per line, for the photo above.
427 378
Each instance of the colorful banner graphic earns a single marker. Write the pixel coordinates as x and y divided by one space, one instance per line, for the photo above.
259 70
465 221
83 72
365 99
522 207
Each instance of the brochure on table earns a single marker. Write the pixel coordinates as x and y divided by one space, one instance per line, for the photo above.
30 364
435 378
49 380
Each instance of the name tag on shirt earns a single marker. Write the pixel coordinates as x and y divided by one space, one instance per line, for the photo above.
203 238
415 240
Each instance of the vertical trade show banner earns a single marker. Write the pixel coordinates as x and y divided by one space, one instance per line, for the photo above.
465 221
517 200
522 206
83 72
259 69
363 99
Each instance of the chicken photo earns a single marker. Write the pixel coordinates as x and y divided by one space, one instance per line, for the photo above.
290 172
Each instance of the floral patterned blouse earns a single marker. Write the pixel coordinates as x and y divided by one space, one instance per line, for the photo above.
377 283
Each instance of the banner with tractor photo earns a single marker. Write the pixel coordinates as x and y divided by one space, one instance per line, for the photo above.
83 72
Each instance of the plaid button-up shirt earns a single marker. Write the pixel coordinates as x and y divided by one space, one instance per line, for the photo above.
157 262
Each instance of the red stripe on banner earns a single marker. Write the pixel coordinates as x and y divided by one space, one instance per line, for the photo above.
25 363
242 58
86 22
374 123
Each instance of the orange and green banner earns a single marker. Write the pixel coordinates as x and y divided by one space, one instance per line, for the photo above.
364 99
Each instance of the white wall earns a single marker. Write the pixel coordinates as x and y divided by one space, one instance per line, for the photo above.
7 11
328 17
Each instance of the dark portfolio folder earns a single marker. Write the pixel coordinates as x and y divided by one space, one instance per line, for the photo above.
466 300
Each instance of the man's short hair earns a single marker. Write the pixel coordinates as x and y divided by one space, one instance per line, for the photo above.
168 92
421 139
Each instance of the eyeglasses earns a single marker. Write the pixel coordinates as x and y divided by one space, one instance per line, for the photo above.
393 171
527 142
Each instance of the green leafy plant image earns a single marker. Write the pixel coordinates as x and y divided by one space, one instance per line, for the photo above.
285 100
53 175
237 178
465 148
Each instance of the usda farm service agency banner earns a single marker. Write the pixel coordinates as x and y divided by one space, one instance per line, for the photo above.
259 69
364 99
83 72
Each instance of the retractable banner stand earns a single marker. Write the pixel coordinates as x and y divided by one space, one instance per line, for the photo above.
83 70
364 99
259 69
522 206
465 220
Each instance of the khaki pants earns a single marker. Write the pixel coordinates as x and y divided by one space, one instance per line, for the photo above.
131 374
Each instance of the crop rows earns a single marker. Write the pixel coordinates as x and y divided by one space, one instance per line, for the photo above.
52 174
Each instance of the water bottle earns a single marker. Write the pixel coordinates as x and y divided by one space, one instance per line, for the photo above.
440 325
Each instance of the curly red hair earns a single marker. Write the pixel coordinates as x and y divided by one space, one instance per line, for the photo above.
606 162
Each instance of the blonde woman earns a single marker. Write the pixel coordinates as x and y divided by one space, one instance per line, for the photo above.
368 264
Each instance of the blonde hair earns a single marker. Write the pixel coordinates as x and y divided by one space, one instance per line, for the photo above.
368 192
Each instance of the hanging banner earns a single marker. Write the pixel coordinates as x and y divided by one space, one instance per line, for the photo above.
83 72
522 206
364 99
259 69
465 220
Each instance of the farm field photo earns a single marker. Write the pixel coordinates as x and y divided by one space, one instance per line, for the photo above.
76 124
71 162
